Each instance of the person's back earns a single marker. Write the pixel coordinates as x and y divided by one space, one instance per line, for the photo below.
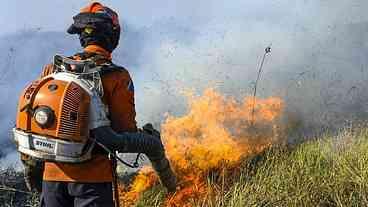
111 121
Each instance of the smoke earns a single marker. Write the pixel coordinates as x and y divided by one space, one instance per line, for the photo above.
22 56
317 63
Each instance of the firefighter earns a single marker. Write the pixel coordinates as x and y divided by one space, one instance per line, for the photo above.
90 183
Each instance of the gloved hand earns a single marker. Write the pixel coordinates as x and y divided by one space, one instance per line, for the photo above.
148 128
33 172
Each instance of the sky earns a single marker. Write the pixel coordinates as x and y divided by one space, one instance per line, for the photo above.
56 15
170 45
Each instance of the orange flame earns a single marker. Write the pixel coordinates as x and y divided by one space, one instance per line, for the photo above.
145 179
214 135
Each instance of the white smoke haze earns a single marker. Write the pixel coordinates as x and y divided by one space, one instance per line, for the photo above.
318 62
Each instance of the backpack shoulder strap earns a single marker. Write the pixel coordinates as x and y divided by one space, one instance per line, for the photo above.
111 67
107 65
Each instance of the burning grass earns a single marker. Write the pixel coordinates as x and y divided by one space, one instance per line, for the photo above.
211 140
223 158
330 171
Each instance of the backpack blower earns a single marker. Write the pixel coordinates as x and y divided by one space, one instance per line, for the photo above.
61 118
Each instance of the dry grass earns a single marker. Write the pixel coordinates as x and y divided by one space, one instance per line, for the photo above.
13 192
330 171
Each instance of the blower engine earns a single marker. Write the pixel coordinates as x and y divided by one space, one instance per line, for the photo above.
56 113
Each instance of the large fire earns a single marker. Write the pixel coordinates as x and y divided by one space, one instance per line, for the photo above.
212 138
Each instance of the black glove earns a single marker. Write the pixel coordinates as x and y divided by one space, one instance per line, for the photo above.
148 128
33 172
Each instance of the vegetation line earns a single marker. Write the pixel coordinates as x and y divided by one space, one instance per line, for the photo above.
6 188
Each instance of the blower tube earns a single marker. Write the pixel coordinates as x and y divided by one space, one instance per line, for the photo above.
139 142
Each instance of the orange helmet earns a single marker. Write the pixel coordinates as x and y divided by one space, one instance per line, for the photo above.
97 24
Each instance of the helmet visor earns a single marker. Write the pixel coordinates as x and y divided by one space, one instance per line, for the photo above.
83 20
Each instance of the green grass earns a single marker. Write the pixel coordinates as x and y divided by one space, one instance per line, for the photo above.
329 171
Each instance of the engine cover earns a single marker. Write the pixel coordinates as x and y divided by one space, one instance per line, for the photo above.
71 107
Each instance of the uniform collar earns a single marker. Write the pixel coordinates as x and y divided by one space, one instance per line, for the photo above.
98 50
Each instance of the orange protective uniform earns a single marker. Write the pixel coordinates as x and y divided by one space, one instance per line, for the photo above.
119 97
